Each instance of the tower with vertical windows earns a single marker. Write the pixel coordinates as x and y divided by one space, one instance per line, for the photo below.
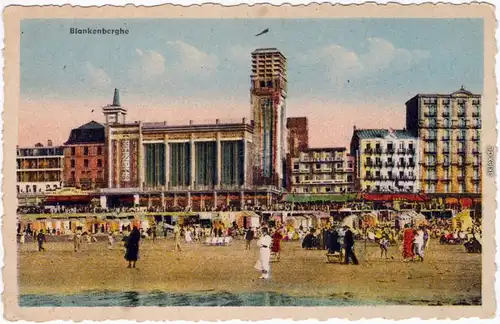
448 127
268 95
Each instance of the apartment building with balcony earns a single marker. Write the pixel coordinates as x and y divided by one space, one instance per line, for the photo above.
39 168
385 160
322 170
449 129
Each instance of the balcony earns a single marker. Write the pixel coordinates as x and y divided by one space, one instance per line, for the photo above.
401 164
461 138
476 151
445 114
411 164
430 114
446 164
476 164
369 165
446 150
410 151
390 151
430 151
461 151
378 164
476 125
378 150
461 113
476 114
431 180
476 179
401 151
429 138
446 179
389 164
324 170
461 177
445 138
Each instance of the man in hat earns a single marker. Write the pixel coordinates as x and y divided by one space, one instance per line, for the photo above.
264 244
349 246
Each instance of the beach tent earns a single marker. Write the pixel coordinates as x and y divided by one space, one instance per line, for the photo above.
369 219
410 217
462 221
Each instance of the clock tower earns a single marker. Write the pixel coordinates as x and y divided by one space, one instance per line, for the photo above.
114 113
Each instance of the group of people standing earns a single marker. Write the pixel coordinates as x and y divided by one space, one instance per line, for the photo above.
415 242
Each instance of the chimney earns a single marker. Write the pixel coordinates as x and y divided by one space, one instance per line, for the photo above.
244 121
49 143
217 121
354 127
191 122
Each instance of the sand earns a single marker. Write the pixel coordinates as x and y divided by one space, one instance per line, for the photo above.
449 275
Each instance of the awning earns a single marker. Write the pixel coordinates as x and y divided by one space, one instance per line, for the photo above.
69 199
394 197
301 198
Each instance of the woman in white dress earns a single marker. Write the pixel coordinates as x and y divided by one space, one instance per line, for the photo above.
264 243
187 235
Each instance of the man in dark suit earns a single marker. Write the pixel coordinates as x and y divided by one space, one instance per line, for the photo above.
349 246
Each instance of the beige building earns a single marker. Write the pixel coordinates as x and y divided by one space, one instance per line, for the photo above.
449 130
322 170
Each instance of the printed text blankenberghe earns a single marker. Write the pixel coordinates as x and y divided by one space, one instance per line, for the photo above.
98 31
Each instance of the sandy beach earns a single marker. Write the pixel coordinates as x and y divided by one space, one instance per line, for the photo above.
448 276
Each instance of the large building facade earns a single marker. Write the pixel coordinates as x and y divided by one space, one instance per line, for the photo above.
39 168
449 129
385 160
85 157
322 171
268 100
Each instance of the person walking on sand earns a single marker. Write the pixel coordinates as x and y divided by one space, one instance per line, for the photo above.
383 244
264 244
177 235
276 244
77 239
349 246
41 239
132 247
408 237
249 236
111 240
419 243
22 238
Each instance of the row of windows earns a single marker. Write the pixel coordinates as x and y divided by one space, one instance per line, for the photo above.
431 187
86 163
390 188
322 189
298 179
86 150
390 146
319 166
87 175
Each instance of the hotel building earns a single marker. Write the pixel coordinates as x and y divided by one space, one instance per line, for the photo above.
449 128
268 95
39 168
322 170
385 160
85 157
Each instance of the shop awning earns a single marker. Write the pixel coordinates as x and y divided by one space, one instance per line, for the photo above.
302 198
69 199
393 197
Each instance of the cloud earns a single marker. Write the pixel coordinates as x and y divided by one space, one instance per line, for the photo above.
96 77
379 56
194 61
150 64
240 54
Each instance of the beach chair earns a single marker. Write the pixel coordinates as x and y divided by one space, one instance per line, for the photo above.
213 241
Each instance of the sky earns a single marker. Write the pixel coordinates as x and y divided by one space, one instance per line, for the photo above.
341 72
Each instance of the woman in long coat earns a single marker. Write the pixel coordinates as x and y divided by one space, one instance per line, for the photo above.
408 237
276 243
132 253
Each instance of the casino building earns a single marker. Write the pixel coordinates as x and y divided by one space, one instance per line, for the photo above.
197 166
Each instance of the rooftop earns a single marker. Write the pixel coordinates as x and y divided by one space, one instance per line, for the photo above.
383 133
89 133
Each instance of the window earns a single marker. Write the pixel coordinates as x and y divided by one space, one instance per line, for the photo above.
100 175
401 174
99 163
349 178
297 179
328 189
73 163
349 164
85 150
72 175
295 166
86 163
73 151
262 84
318 166
368 146
368 188
377 174
99 150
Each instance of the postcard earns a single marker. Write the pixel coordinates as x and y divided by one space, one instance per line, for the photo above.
249 162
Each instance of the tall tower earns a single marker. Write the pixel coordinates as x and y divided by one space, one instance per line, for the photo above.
268 95
115 113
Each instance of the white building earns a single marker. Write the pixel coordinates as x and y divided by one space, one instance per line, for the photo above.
385 160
